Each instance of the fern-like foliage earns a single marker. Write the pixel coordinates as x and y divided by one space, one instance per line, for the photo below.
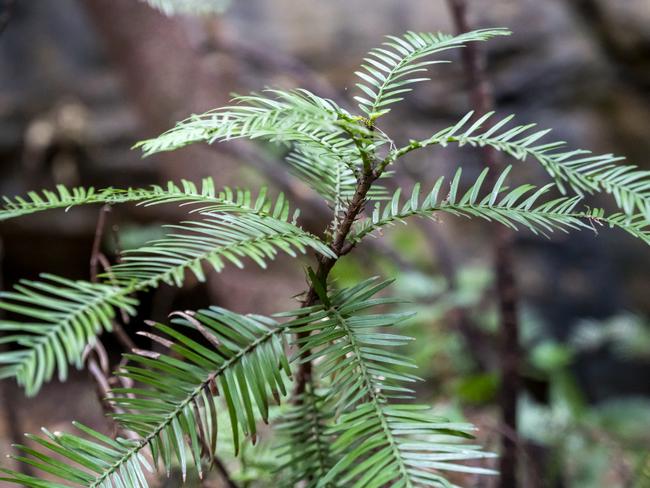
64 197
330 175
194 7
205 197
84 461
579 170
216 239
326 140
380 440
283 116
327 175
306 441
183 193
56 319
514 208
383 444
233 225
391 71
230 361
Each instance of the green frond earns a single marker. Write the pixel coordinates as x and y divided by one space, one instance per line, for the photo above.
379 441
329 174
80 461
349 346
193 7
59 318
184 192
391 71
291 115
64 197
579 170
238 363
206 199
216 239
636 225
233 225
514 208
324 173
384 444
241 367
306 442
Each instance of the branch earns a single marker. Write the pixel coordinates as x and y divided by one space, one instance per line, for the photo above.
97 258
325 264
97 243
482 102
99 369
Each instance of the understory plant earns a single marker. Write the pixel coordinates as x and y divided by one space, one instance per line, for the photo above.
348 417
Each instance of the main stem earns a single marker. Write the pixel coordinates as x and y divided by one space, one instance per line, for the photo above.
325 264
509 352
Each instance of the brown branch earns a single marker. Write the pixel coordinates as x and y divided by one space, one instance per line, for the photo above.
97 258
97 364
97 243
325 264
99 369
95 356
482 101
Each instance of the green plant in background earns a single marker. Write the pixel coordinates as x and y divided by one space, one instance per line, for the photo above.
349 418
589 445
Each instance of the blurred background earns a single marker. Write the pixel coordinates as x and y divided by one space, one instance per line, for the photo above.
82 81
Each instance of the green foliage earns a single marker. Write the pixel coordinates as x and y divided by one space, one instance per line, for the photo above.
513 208
58 319
307 444
379 439
63 198
329 173
579 170
352 419
283 116
72 315
184 193
390 71
216 239
175 409
323 136
399 445
86 461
